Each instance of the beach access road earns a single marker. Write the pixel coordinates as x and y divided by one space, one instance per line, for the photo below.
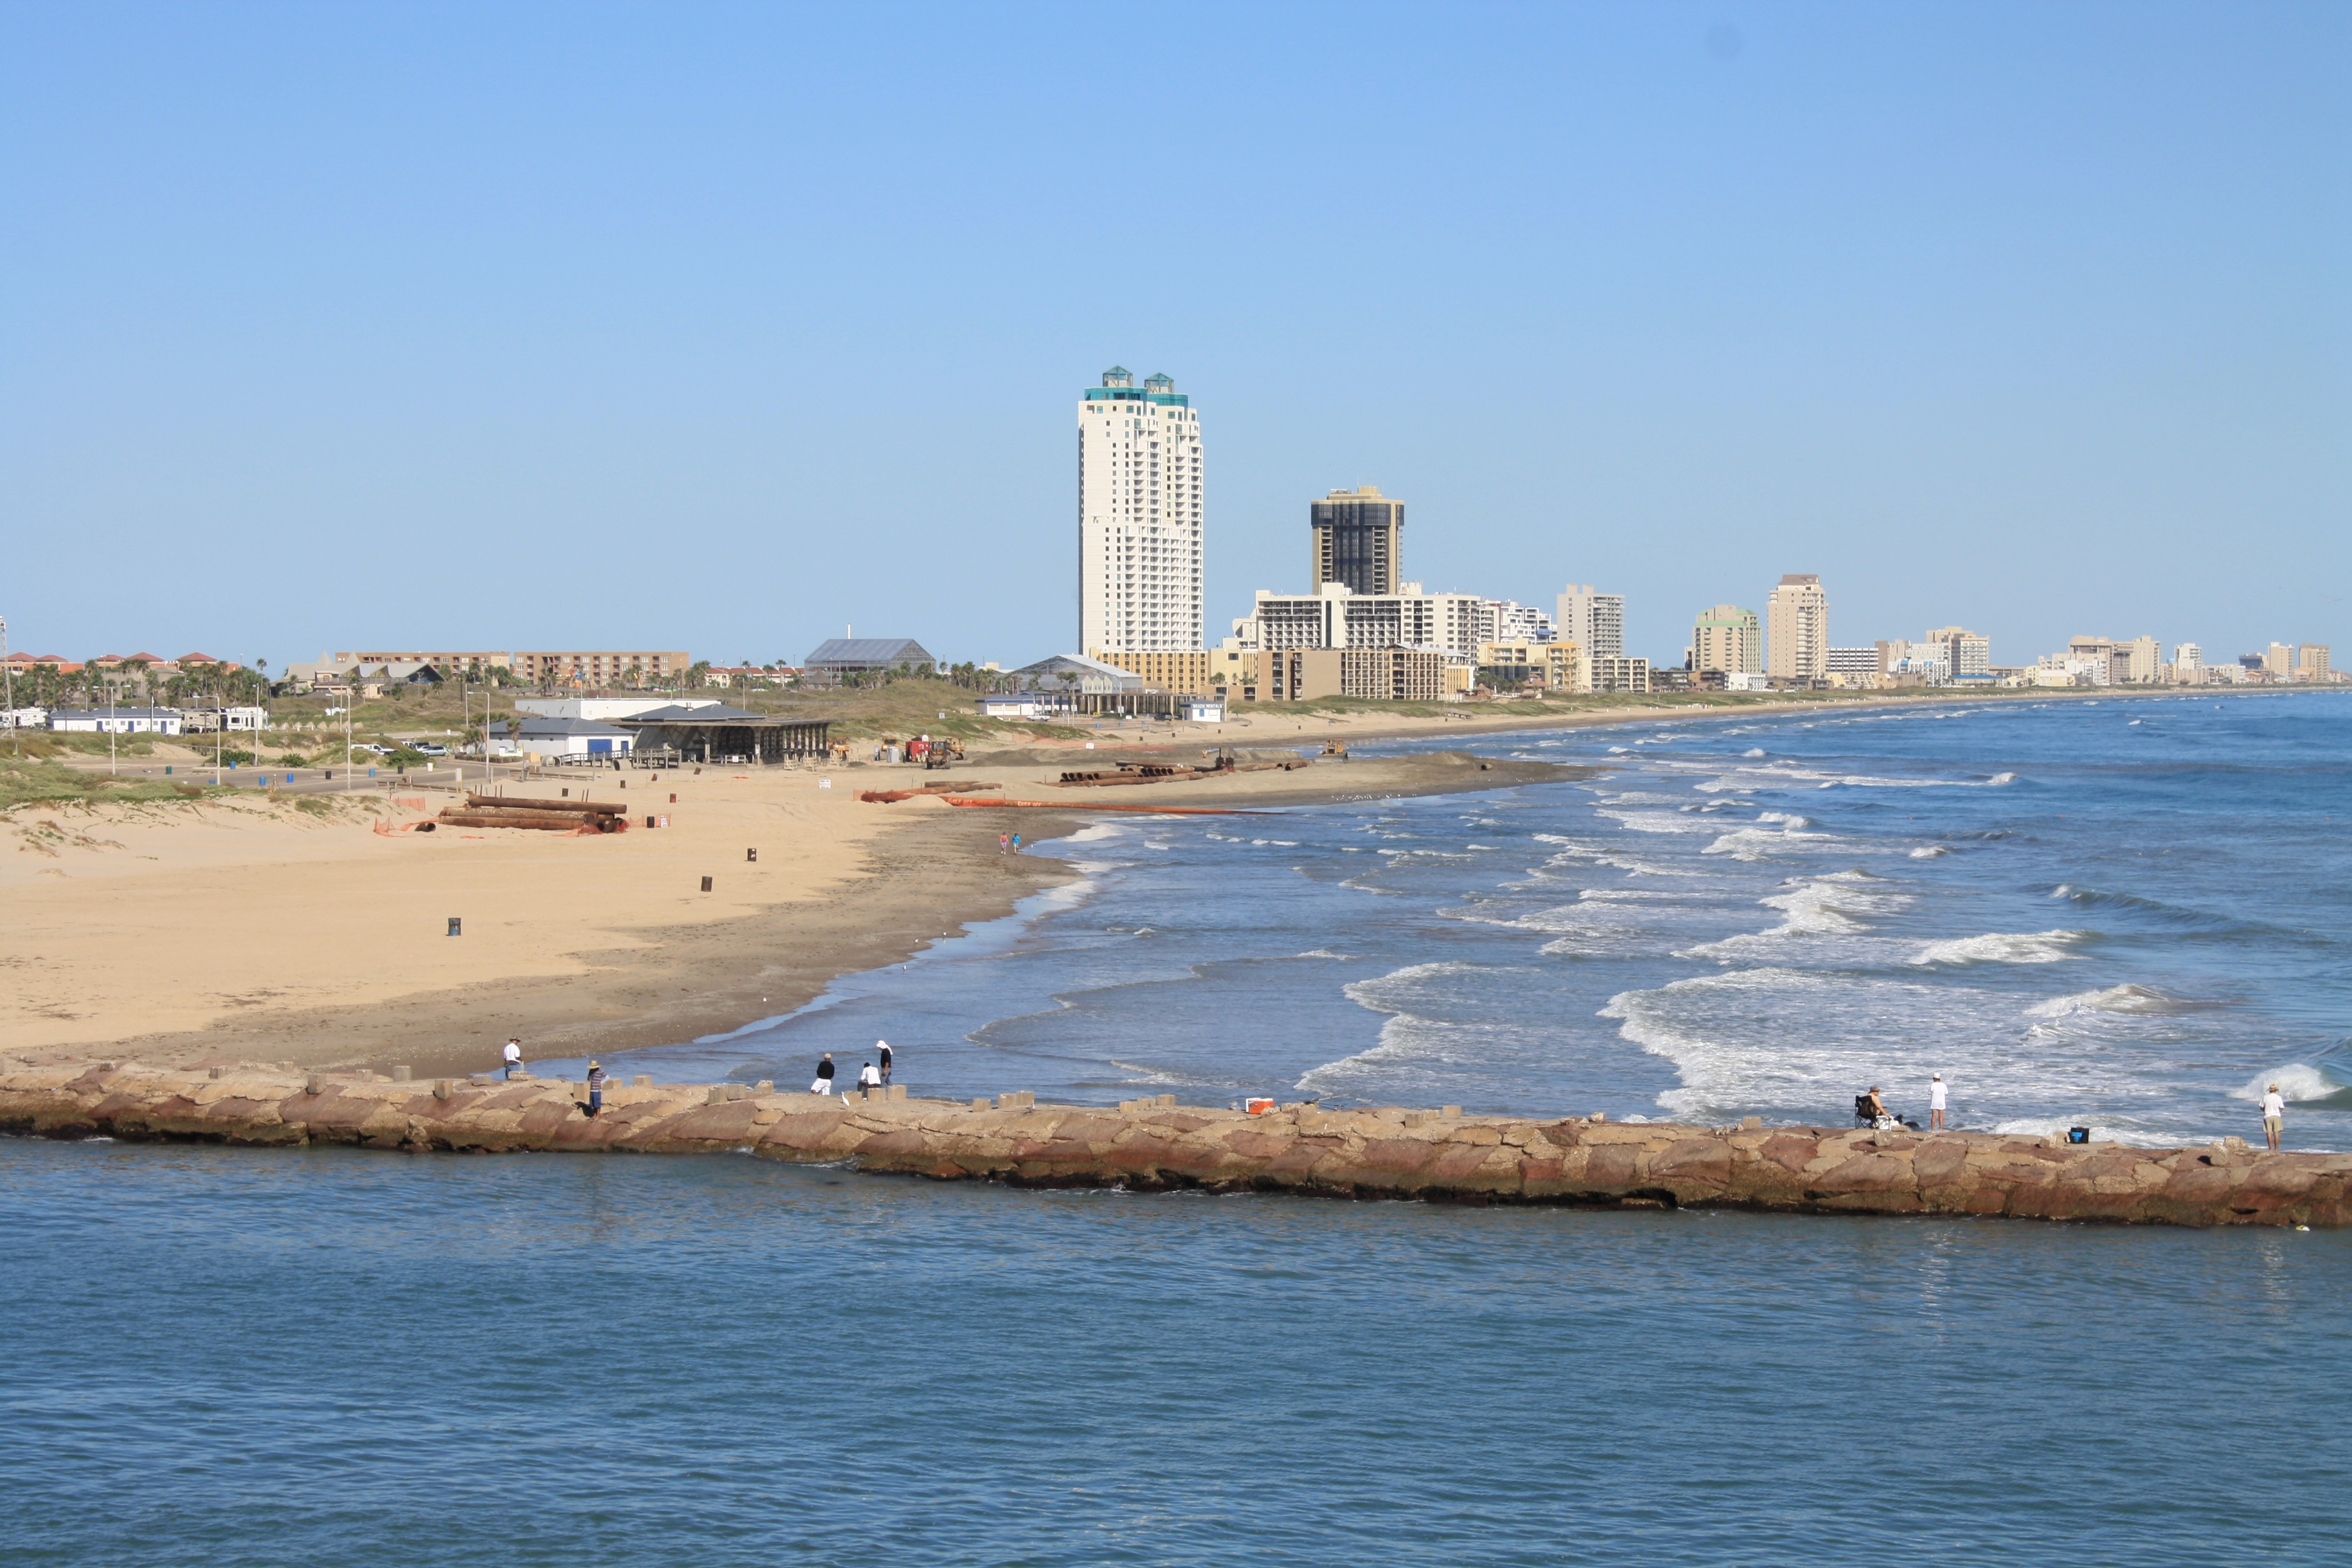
1386 1153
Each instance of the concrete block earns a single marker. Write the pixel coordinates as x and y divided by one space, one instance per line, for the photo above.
982 1103
643 1081
2236 1146
1750 1124
400 1075
443 1088
896 1092
765 1086
716 1095
1167 1102
314 1084
212 1072
1451 1110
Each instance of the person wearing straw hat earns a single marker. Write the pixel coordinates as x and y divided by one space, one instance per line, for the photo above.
595 1086
2274 1116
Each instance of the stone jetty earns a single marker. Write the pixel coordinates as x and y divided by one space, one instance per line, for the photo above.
1159 1145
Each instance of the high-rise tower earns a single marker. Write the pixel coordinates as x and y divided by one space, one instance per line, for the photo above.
1594 621
1797 628
1140 515
1358 539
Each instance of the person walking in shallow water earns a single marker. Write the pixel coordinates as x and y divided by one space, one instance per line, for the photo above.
2274 1116
823 1084
1935 1103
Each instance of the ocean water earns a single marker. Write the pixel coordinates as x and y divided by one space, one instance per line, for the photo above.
232 1357
2129 912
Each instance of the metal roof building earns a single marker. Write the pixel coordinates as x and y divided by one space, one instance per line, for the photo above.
845 656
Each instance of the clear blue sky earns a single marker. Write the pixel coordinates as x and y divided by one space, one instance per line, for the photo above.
718 327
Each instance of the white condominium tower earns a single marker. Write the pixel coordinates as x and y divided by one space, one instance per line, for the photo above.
1138 517
1593 621
1797 628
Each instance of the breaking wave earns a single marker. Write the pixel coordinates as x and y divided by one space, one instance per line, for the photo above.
2005 947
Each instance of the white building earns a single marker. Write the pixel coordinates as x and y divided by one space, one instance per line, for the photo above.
1797 629
1507 620
205 720
118 720
605 708
1139 517
1967 655
1449 624
24 719
2189 664
1594 621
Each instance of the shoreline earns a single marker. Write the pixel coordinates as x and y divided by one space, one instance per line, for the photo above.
1157 1145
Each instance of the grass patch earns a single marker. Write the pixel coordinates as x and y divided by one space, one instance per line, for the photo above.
31 781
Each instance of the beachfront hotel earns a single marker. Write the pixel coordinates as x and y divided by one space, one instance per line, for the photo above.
1140 517
1594 620
1797 629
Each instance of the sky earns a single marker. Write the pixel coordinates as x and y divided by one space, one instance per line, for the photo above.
723 327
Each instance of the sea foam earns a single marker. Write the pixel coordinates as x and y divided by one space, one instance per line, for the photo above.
2005 947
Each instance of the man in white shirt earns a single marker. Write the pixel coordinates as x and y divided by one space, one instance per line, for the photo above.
2274 1116
869 1078
1935 1103
513 1057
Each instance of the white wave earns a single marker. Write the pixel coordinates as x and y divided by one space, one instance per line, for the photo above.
2004 947
1929 851
2001 779
1325 953
2047 1127
1655 821
1753 751
2299 1082
1092 831
2113 999
1758 843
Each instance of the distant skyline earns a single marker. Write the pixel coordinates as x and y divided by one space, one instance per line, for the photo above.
720 328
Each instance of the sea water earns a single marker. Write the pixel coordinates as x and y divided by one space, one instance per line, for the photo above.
2129 912
230 1357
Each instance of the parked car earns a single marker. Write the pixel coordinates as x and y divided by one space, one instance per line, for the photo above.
428 748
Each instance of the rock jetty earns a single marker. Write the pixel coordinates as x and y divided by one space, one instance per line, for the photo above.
1159 1145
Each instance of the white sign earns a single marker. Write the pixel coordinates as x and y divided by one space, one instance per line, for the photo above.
824 784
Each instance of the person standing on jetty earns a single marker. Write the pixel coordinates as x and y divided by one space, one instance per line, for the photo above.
1935 1103
511 1060
2274 1116
882 1054
823 1084
595 1086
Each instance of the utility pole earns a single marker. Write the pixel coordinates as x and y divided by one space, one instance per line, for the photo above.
8 675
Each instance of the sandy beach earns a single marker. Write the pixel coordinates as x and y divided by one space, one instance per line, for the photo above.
254 930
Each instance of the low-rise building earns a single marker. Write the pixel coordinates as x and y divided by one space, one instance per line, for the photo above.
445 661
837 657
530 734
205 720
1555 666
1075 674
606 709
604 667
1335 618
1619 675
117 721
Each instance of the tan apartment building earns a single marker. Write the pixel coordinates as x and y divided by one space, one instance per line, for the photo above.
1191 672
1619 675
603 668
2311 662
443 663
1729 639
1554 666
1798 628
1374 674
